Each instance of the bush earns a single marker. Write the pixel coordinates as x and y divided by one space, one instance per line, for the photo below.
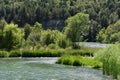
42 53
68 60
62 41
80 52
75 46
110 58
3 54
88 61
79 61
15 53
52 46
27 53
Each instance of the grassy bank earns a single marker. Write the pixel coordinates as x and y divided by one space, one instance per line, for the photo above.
3 54
31 53
36 53
82 51
110 57
48 52
79 61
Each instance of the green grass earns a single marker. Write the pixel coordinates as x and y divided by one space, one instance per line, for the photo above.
3 54
82 51
15 53
32 53
110 57
42 53
49 52
79 61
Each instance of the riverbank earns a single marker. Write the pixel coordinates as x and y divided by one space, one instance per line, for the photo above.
45 69
48 52
79 61
75 57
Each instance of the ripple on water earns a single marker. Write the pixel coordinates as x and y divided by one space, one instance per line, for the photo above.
44 69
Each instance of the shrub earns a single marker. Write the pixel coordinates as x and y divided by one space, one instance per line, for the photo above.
60 60
27 53
110 58
62 41
68 60
88 61
15 53
3 54
80 52
42 53
75 46
79 61
52 46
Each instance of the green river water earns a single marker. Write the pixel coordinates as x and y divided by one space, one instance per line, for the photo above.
45 69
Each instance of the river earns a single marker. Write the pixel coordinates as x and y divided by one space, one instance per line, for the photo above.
45 69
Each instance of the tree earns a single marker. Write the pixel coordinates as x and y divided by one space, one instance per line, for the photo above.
77 27
48 37
2 23
111 34
101 37
110 58
1 38
94 29
12 36
27 30
61 40
35 35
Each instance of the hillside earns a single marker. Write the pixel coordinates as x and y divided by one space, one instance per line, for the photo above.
53 13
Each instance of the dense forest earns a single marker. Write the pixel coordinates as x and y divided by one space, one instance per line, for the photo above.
53 13
99 19
54 28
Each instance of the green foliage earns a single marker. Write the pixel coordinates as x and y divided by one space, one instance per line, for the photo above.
52 14
82 51
40 37
94 30
52 46
15 53
35 35
111 34
42 53
1 37
32 53
61 40
12 36
48 37
77 27
110 59
2 23
54 37
3 54
79 61
27 30
27 53
74 46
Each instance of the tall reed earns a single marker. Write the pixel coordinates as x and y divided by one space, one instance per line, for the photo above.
110 59
79 61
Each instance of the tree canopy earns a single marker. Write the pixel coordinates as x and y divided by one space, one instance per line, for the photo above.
110 34
83 20
77 27
11 37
